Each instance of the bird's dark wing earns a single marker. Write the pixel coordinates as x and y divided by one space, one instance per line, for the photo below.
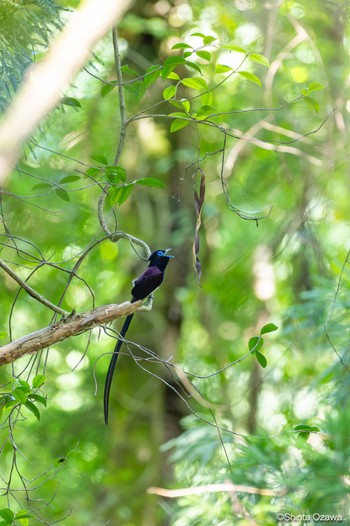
148 282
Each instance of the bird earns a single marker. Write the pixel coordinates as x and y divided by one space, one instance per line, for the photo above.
143 286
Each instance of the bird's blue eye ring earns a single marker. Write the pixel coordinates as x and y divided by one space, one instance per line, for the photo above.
160 253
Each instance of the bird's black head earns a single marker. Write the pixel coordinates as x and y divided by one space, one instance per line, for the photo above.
159 258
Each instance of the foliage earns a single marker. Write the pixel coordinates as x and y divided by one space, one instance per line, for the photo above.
234 157
26 28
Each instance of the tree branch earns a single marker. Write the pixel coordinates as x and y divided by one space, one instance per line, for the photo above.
69 326
31 291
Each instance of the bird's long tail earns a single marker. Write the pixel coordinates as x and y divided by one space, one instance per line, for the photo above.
112 365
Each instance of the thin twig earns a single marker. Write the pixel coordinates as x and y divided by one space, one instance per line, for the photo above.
31 291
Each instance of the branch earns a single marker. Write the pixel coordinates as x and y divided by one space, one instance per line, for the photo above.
69 326
214 488
45 80
31 291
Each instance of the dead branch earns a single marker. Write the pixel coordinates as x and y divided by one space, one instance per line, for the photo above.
69 326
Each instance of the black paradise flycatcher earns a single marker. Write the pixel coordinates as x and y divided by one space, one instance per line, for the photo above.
143 286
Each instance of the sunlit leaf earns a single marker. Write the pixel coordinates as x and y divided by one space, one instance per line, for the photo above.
251 77
260 59
197 83
221 68
169 92
204 54
207 99
177 124
181 45
233 47
208 40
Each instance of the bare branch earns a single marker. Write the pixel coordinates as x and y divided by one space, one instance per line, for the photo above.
214 488
69 326
45 80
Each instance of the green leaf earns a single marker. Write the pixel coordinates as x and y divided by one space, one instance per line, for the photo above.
92 172
207 99
255 343
269 327
99 158
260 59
301 427
41 186
173 76
179 114
221 68
62 194
29 405
23 514
208 40
151 75
187 53
197 34
125 193
19 395
315 86
250 76
3 335
181 45
193 65
24 385
115 174
107 88
70 101
137 89
204 112
70 179
233 47
7 515
197 83
38 381
204 54
183 104
169 92
177 124
150 181
38 398
127 69
261 359
312 103
170 64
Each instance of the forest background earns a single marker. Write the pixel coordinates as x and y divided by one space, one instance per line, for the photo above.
219 131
